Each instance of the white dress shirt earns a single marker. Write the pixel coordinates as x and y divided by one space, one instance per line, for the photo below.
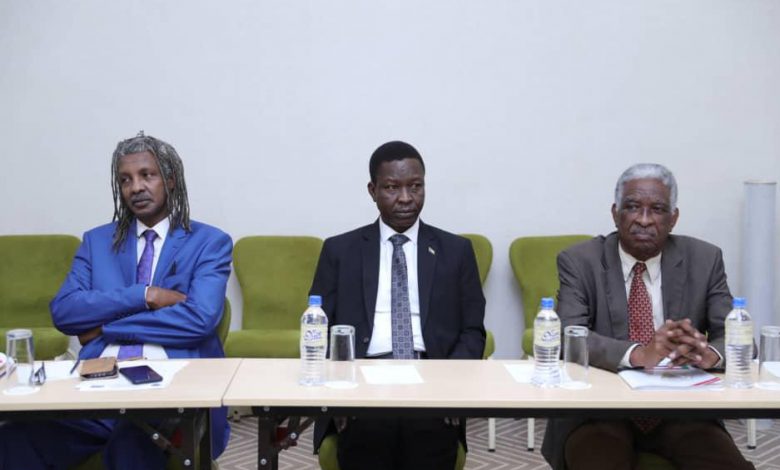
151 351
381 336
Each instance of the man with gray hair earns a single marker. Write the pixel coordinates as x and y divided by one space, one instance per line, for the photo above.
151 284
645 295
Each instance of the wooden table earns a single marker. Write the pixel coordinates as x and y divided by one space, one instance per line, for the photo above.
469 389
197 387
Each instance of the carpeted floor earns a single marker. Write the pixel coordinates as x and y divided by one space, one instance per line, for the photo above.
510 451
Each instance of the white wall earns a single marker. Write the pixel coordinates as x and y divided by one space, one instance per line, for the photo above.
526 112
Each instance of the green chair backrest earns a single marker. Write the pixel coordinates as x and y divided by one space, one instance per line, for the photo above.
484 253
275 274
32 270
533 261
224 324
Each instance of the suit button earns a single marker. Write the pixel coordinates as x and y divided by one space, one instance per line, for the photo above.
365 340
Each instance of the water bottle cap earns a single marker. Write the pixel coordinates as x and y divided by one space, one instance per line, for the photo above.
739 302
315 301
548 303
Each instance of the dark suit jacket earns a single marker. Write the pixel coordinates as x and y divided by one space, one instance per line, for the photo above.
101 289
593 294
452 307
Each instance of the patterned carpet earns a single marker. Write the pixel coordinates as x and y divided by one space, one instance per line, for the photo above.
510 451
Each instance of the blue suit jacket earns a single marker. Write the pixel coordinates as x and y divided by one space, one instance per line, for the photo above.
101 290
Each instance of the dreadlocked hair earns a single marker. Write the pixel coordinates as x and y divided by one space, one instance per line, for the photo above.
171 168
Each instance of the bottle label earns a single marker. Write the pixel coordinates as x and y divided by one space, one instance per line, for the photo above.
547 338
315 336
739 335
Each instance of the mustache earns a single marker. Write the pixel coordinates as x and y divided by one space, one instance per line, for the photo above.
139 198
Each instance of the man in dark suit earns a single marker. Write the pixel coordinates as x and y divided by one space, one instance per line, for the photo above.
411 291
150 284
646 296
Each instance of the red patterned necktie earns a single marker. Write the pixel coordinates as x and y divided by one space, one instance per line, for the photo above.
640 327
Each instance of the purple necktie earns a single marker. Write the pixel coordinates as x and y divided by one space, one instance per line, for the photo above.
143 275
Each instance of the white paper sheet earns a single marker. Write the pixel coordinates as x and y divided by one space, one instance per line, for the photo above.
522 373
167 369
390 375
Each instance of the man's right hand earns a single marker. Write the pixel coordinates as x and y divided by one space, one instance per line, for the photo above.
157 297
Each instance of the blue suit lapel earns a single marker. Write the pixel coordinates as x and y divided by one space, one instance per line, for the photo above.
128 260
427 249
370 255
165 264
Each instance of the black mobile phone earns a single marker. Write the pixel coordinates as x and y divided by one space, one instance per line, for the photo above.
140 374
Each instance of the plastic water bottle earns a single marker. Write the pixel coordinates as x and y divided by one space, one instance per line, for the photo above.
547 346
314 342
739 346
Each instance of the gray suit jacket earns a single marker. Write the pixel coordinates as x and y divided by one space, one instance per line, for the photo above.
593 294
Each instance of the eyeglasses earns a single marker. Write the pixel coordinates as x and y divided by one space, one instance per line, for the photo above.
39 376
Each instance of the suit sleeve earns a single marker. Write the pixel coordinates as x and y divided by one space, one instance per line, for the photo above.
576 308
188 323
718 305
78 307
325 282
471 339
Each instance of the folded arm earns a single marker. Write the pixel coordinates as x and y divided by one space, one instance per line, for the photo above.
78 308
184 324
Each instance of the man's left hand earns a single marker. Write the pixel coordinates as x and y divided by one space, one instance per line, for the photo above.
693 348
88 336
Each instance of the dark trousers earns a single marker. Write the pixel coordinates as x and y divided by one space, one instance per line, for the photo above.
689 445
46 445
398 444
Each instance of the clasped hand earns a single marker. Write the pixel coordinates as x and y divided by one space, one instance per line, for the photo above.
680 342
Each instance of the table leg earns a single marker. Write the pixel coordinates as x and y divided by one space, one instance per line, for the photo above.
267 453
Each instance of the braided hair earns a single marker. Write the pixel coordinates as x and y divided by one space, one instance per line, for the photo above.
171 168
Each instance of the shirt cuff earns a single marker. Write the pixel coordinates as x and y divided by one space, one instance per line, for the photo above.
719 364
626 361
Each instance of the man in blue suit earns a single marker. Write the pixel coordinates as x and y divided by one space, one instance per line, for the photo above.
411 291
150 284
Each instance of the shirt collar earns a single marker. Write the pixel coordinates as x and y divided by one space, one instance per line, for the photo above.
161 228
385 232
627 261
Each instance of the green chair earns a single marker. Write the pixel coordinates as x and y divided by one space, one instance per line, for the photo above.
533 261
483 250
32 270
275 274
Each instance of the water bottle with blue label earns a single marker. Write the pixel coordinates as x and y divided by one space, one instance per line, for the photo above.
314 342
547 346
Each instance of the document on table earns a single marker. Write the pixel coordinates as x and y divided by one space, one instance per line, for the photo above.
167 369
391 375
522 373
671 378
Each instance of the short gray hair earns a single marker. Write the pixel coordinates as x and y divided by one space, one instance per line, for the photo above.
647 170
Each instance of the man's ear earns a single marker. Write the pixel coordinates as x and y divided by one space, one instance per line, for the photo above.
171 183
615 214
372 190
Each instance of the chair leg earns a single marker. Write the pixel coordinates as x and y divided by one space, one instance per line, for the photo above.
531 434
491 434
751 433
